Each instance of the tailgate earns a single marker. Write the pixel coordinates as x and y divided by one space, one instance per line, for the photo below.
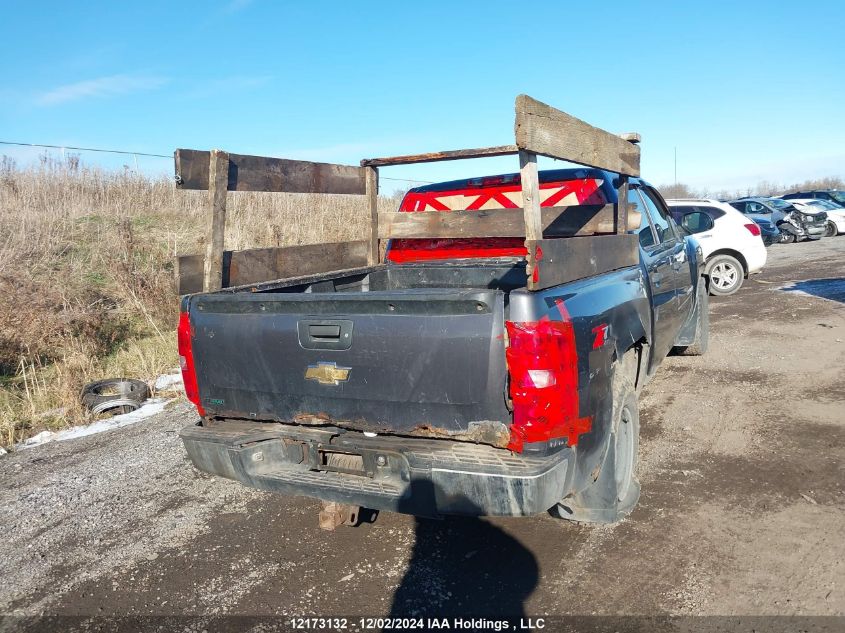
409 362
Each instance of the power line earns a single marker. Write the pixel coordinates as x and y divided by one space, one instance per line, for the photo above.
127 153
87 149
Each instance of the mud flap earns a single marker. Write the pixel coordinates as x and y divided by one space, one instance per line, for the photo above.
598 503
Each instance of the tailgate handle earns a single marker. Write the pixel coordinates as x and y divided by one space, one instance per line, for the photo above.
325 333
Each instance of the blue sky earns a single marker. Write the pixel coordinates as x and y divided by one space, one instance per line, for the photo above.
746 91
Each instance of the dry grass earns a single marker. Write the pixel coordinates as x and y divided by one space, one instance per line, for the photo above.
86 275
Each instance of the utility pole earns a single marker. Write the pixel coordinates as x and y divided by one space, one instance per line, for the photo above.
676 165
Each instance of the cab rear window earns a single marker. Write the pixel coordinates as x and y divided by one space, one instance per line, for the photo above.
498 192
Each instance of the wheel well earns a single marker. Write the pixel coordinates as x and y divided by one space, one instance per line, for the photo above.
735 254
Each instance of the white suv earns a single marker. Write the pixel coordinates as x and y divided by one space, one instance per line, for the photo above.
730 241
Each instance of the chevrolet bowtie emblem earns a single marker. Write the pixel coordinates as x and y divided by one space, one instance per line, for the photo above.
327 373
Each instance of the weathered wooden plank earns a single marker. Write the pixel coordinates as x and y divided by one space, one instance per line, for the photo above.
217 173
190 270
565 260
622 207
261 173
259 265
372 203
541 129
556 222
433 157
530 179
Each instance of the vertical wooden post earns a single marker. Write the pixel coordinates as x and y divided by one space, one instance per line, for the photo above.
372 203
530 179
622 206
218 184
530 195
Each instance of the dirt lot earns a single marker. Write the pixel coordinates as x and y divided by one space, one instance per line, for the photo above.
742 511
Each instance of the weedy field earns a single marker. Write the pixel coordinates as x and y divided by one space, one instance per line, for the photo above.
86 275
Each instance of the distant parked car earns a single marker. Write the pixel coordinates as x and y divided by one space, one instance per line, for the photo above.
794 224
768 231
731 243
833 195
835 213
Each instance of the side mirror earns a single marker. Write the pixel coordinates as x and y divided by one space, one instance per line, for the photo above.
696 222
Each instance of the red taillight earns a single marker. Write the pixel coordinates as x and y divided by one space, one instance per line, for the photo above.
186 361
543 366
754 228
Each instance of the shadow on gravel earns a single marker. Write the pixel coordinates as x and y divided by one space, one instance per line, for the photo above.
464 566
832 289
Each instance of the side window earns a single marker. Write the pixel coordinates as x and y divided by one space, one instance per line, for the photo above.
697 221
660 220
756 207
713 212
635 206
678 213
739 206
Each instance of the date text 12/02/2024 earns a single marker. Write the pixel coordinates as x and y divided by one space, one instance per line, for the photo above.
410 624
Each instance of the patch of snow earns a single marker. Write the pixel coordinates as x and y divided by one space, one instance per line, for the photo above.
3 451
169 382
147 409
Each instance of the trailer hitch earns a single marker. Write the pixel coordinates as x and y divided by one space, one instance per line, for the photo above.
334 514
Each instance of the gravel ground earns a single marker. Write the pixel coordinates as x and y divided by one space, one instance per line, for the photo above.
742 510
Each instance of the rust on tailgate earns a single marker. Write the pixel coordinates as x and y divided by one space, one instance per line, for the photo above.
484 432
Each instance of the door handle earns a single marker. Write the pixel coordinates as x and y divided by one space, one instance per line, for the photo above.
325 333
317 331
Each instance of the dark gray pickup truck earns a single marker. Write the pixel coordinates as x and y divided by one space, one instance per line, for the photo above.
436 382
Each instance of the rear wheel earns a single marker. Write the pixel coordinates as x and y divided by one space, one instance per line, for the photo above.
627 440
615 490
830 229
725 275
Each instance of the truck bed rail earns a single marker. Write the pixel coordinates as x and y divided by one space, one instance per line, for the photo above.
539 129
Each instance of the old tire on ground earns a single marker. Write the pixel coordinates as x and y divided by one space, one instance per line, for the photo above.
830 229
616 490
124 394
702 326
725 275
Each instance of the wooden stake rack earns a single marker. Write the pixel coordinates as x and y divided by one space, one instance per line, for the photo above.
593 243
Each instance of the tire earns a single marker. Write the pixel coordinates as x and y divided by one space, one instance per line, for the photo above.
114 393
626 438
702 326
831 231
724 274
788 238
616 490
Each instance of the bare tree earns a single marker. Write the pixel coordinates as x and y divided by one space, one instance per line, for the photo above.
679 190
828 182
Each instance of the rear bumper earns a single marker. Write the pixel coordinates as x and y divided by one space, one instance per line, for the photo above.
755 257
770 236
408 475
